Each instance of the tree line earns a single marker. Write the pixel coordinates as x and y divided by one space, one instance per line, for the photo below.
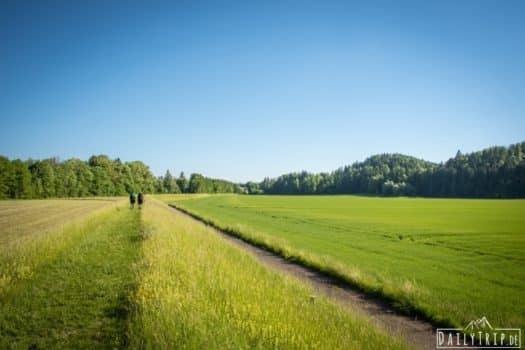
495 172
99 176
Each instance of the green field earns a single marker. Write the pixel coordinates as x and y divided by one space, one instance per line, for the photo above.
453 260
152 279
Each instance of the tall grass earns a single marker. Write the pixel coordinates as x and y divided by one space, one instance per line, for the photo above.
196 291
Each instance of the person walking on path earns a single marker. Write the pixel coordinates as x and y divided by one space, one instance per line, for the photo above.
132 199
140 199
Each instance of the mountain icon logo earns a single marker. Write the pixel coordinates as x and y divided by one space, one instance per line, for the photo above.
481 323
478 333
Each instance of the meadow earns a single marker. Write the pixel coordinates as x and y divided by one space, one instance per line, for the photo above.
150 279
450 260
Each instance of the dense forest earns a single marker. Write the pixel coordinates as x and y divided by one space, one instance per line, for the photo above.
99 176
496 172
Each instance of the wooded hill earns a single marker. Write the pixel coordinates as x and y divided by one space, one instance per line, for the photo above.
493 172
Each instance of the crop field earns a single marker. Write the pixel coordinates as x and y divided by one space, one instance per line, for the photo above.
112 277
452 260
55 289
32 232
21 218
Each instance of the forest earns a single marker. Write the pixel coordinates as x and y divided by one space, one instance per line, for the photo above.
495 172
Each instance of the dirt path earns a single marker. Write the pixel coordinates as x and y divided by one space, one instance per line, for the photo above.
418 333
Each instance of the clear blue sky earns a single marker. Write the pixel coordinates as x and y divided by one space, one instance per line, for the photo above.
247 89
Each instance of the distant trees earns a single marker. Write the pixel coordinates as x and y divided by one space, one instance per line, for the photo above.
493 172
99 176
21 181
15 179
201 184
496 172
170 184
252 188
5 180
182 182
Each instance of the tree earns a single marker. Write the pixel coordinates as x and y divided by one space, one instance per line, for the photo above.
43 178
182 183
253 188
6 174
159 185
84 177
170 185
196 184
143 179
21 181
71 183
101 184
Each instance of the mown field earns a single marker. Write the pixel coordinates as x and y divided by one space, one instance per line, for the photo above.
22 218
152 279
452 260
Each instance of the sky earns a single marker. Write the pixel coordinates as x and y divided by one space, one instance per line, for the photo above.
243 90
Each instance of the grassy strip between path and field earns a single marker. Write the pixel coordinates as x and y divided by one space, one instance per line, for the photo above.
77 296
196 291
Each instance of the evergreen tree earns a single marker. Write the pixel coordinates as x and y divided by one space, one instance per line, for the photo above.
182 182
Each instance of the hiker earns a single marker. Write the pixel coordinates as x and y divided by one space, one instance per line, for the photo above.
140 199
132 200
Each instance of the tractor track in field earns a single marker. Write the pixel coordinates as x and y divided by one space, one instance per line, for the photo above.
418 333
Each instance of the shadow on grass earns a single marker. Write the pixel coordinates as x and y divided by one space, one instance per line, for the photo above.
121 312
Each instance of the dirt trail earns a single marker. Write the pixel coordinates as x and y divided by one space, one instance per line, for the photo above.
418 333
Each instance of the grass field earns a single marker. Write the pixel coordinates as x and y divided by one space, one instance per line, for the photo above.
451 259
154 279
